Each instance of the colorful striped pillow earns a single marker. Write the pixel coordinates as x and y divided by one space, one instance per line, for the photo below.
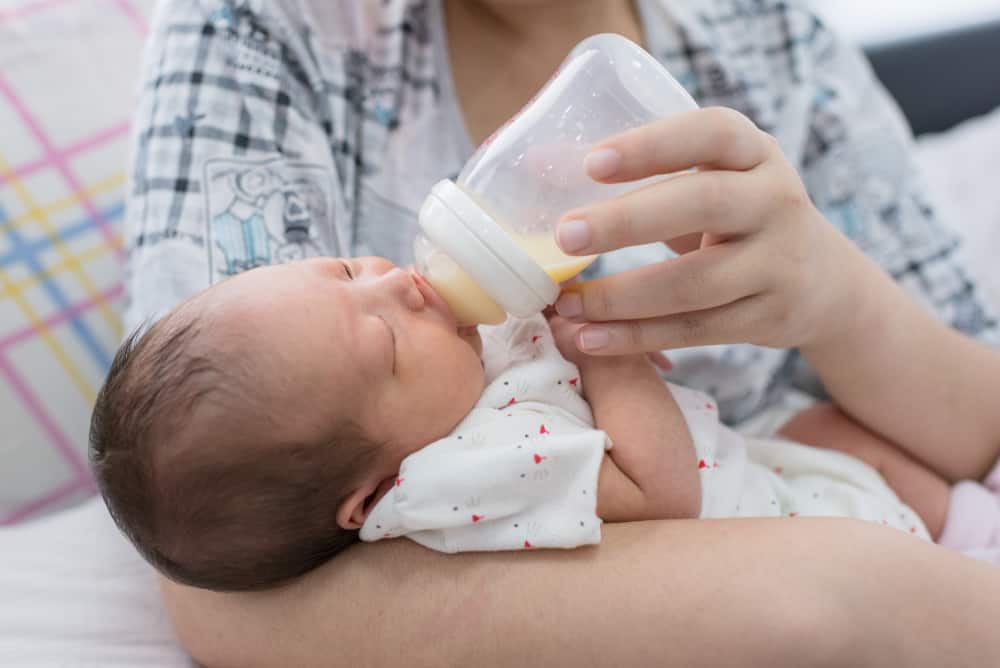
68 71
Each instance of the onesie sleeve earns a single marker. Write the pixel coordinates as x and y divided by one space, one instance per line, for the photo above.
524 367
522 480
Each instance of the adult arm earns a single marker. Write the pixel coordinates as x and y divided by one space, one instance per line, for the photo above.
782 263
711 593
912 378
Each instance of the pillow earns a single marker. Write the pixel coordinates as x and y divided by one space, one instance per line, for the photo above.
962 167
67 80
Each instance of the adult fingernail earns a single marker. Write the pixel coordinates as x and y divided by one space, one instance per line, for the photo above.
594 338
570 305
602 163
573 235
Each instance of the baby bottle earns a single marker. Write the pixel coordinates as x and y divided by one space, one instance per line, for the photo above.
487 243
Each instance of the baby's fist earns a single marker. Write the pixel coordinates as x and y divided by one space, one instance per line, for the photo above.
564 333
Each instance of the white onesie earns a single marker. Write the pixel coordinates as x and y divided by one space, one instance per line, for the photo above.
521 470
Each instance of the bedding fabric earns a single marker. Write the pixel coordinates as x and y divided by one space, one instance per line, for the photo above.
67 90
74 594
962 167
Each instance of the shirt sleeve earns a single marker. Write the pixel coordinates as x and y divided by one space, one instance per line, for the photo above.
232 166
501 485
857 158
777 62
524 366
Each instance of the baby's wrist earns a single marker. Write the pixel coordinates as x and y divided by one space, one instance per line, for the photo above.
637 362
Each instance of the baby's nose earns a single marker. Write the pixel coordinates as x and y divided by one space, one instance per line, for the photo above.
399 286
377 265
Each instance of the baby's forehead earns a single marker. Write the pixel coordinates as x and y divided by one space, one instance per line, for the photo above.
208 319
285 308
231 297
261 284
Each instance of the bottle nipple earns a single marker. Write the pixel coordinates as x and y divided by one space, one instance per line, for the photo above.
468 302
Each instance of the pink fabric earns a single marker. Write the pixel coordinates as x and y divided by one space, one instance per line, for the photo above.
992 481
973 522
989 553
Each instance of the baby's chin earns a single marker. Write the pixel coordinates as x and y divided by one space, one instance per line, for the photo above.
470 334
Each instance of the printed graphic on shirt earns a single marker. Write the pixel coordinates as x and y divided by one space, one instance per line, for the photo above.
265 212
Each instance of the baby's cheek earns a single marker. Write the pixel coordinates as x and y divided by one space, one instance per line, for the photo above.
475 341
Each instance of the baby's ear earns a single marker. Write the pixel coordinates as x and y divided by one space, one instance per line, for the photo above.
353 510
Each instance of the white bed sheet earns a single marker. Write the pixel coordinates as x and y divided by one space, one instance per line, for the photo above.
74 594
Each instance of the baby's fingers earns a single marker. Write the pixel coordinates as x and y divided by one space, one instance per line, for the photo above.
660 361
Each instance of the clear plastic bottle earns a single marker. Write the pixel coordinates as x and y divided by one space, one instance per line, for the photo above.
488 244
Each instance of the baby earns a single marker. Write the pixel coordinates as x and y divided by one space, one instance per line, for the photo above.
248 436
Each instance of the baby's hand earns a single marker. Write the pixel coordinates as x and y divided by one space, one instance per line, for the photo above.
564 332
660 361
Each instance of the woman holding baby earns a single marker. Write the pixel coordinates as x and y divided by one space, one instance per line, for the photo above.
791 254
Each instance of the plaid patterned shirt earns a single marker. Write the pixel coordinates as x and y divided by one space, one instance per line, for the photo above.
270 131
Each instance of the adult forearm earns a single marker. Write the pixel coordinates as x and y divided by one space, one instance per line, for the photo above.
902 373
804 592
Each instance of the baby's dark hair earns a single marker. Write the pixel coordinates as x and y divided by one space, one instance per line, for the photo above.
223 516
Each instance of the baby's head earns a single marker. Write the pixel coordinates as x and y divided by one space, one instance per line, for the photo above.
242 440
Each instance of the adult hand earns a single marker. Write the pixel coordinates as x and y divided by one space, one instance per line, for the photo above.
765 266
564 333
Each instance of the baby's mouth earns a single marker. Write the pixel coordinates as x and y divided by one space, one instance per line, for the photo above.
431 296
